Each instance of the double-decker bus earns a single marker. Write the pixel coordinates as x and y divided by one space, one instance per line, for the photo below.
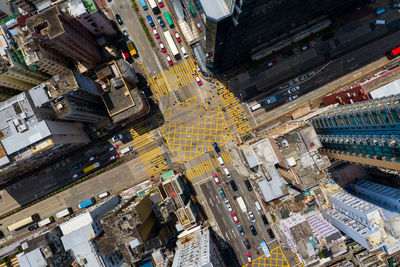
393 53
91 167
154 7
143 3
23 223
169 20
87 203
172 45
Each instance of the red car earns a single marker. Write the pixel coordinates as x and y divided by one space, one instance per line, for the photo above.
199 82
304 47
169 60
162 46
216 180
178 38
249 259
160 3
125 54
270 64
156 33
235 218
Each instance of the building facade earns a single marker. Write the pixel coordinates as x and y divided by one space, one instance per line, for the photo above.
236 29
5 9
366 132
59 32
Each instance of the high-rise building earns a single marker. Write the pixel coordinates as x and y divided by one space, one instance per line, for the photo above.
57 31
72 96
195 247
237 29
5 9
366 132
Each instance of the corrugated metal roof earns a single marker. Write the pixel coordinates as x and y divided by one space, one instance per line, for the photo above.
33 258
76 223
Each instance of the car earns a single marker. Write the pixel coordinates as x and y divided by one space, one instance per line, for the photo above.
246 243
178 38
216 147
113 157
216 180
125 32
93 157
162 24
160 3
125 54
304 47
234 217
113 148
287 54
293 97
251 216
240 229
249 259
270 64
169 60
271 234
265 220
221 192
253 230
76 175
199 82
199 27
118 18
228 205
76 166
117 137
162 46
233 185
248 185
293 89
33 227
156 33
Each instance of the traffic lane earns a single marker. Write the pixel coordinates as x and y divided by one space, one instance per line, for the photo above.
224 220
138 36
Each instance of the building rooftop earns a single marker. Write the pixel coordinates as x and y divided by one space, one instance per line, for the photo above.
216 9
79 7
46 23
32 258
273 188
76 223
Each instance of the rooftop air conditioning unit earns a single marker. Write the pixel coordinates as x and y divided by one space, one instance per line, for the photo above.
22 128
60 106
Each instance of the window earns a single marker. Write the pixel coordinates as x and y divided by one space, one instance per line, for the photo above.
375 118
395 115
385 116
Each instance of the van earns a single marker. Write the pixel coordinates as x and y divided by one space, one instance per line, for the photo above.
255 107
126 150
227 173
247 183
150 20
185 55
103 195
258 206
380 22
221 161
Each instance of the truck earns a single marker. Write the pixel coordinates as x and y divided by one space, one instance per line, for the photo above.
64 213
91 167
273 99
242 205
131 48
87 203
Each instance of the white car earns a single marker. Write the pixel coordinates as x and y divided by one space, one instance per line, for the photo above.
125 32
117 137
293 89
228 205
251 216
293 97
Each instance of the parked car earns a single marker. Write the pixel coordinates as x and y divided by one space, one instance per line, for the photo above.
118 18
271 234
160 3
113 157
293 89
249 259
125 32
178 38
93 157
33 227
251 216
264 218
76 166
228 205
287 54
117 137
240 229
156 33
233 185
248 185
246 243
235 218
113 148
76 175
162 46
160 20
221 192
253 230
304 47
270 64
170 62
293 97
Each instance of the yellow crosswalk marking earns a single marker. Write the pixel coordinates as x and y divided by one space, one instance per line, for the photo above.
200 169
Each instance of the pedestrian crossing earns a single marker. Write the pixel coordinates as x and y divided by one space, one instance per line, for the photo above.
153 161
206 167
233 109
141 135
298 262
176 77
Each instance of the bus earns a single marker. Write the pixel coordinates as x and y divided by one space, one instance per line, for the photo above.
23 223
46 221
172 45
192 9
91 167
131 48
87 203
169 20
265 249
143 3
394 53
154 7
63 213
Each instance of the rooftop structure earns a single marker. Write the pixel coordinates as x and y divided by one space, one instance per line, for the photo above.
195 247
120 95
345 97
